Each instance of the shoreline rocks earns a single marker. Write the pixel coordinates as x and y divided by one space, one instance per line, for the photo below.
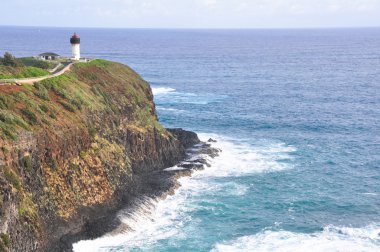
157 185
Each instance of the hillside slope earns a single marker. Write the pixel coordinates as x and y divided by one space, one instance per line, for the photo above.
74 148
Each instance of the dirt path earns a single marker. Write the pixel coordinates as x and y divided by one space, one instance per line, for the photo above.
31 81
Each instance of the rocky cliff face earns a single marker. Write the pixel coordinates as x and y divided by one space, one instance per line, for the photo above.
76 148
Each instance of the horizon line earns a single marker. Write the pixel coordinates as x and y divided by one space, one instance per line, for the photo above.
196 28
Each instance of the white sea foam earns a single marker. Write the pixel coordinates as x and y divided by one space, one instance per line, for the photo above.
168 95
331 239
162 90
240 159
370 194
152 220
159 108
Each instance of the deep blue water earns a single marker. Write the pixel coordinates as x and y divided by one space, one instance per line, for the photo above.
296 113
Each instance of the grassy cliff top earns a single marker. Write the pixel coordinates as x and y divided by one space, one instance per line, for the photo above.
97 87
17 68
8 72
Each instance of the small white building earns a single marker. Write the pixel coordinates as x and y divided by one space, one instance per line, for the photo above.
49 56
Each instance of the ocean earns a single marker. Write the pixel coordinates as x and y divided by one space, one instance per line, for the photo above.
295 112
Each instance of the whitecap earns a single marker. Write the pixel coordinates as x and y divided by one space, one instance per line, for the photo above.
168 95
370 194
159 108
331 239
239 159
152 221
162 90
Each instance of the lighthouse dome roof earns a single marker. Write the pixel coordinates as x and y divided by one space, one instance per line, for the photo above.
75 35
75 39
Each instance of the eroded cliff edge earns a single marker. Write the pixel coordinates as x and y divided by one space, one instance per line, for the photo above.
75 148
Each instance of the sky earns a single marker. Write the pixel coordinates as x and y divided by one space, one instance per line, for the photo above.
191 13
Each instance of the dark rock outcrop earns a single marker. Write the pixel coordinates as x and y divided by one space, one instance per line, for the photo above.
187 138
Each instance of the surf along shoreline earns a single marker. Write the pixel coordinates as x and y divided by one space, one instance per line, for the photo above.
156 186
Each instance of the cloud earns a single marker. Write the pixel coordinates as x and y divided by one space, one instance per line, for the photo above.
193 13
209 3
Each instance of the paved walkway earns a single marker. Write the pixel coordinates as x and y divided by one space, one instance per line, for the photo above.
31 81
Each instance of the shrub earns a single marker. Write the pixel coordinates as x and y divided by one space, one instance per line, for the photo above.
27 72
6 102
41 91
27 207
45 121
52 115
67 106
7 132
77 103
60 91
44 108
10 60
92 131
12 119
30 61
9 123
11 177
30 116
27 162
5 239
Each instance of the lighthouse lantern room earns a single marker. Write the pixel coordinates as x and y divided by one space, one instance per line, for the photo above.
75 46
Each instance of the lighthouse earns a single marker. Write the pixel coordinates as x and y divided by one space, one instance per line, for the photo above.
75 46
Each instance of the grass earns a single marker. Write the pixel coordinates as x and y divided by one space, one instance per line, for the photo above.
41 92
27 206
5 240
9 123
100 100
30 116
11 177
27 162
95 86
7 72
6 101
33 62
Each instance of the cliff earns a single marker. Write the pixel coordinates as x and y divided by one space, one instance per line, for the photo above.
76 148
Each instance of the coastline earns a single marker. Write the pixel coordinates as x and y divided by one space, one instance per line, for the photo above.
156 186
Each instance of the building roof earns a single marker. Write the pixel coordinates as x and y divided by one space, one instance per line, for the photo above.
48 54
75 35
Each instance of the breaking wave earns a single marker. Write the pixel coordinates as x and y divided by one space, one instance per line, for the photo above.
153 221
162 90
331 239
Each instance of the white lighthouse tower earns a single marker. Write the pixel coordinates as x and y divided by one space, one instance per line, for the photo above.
75 46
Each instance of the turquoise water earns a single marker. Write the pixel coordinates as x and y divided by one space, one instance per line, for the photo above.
296 113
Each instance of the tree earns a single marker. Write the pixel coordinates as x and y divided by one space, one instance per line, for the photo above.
10 60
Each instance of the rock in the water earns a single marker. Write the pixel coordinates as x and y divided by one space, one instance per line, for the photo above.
187 138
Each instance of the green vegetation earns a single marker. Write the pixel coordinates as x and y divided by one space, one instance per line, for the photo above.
7 72
41 91
12 68
32 62
11 177
5 242
90 106
10 60
6 102
27 162
29 115
27 208
9 122
94 86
